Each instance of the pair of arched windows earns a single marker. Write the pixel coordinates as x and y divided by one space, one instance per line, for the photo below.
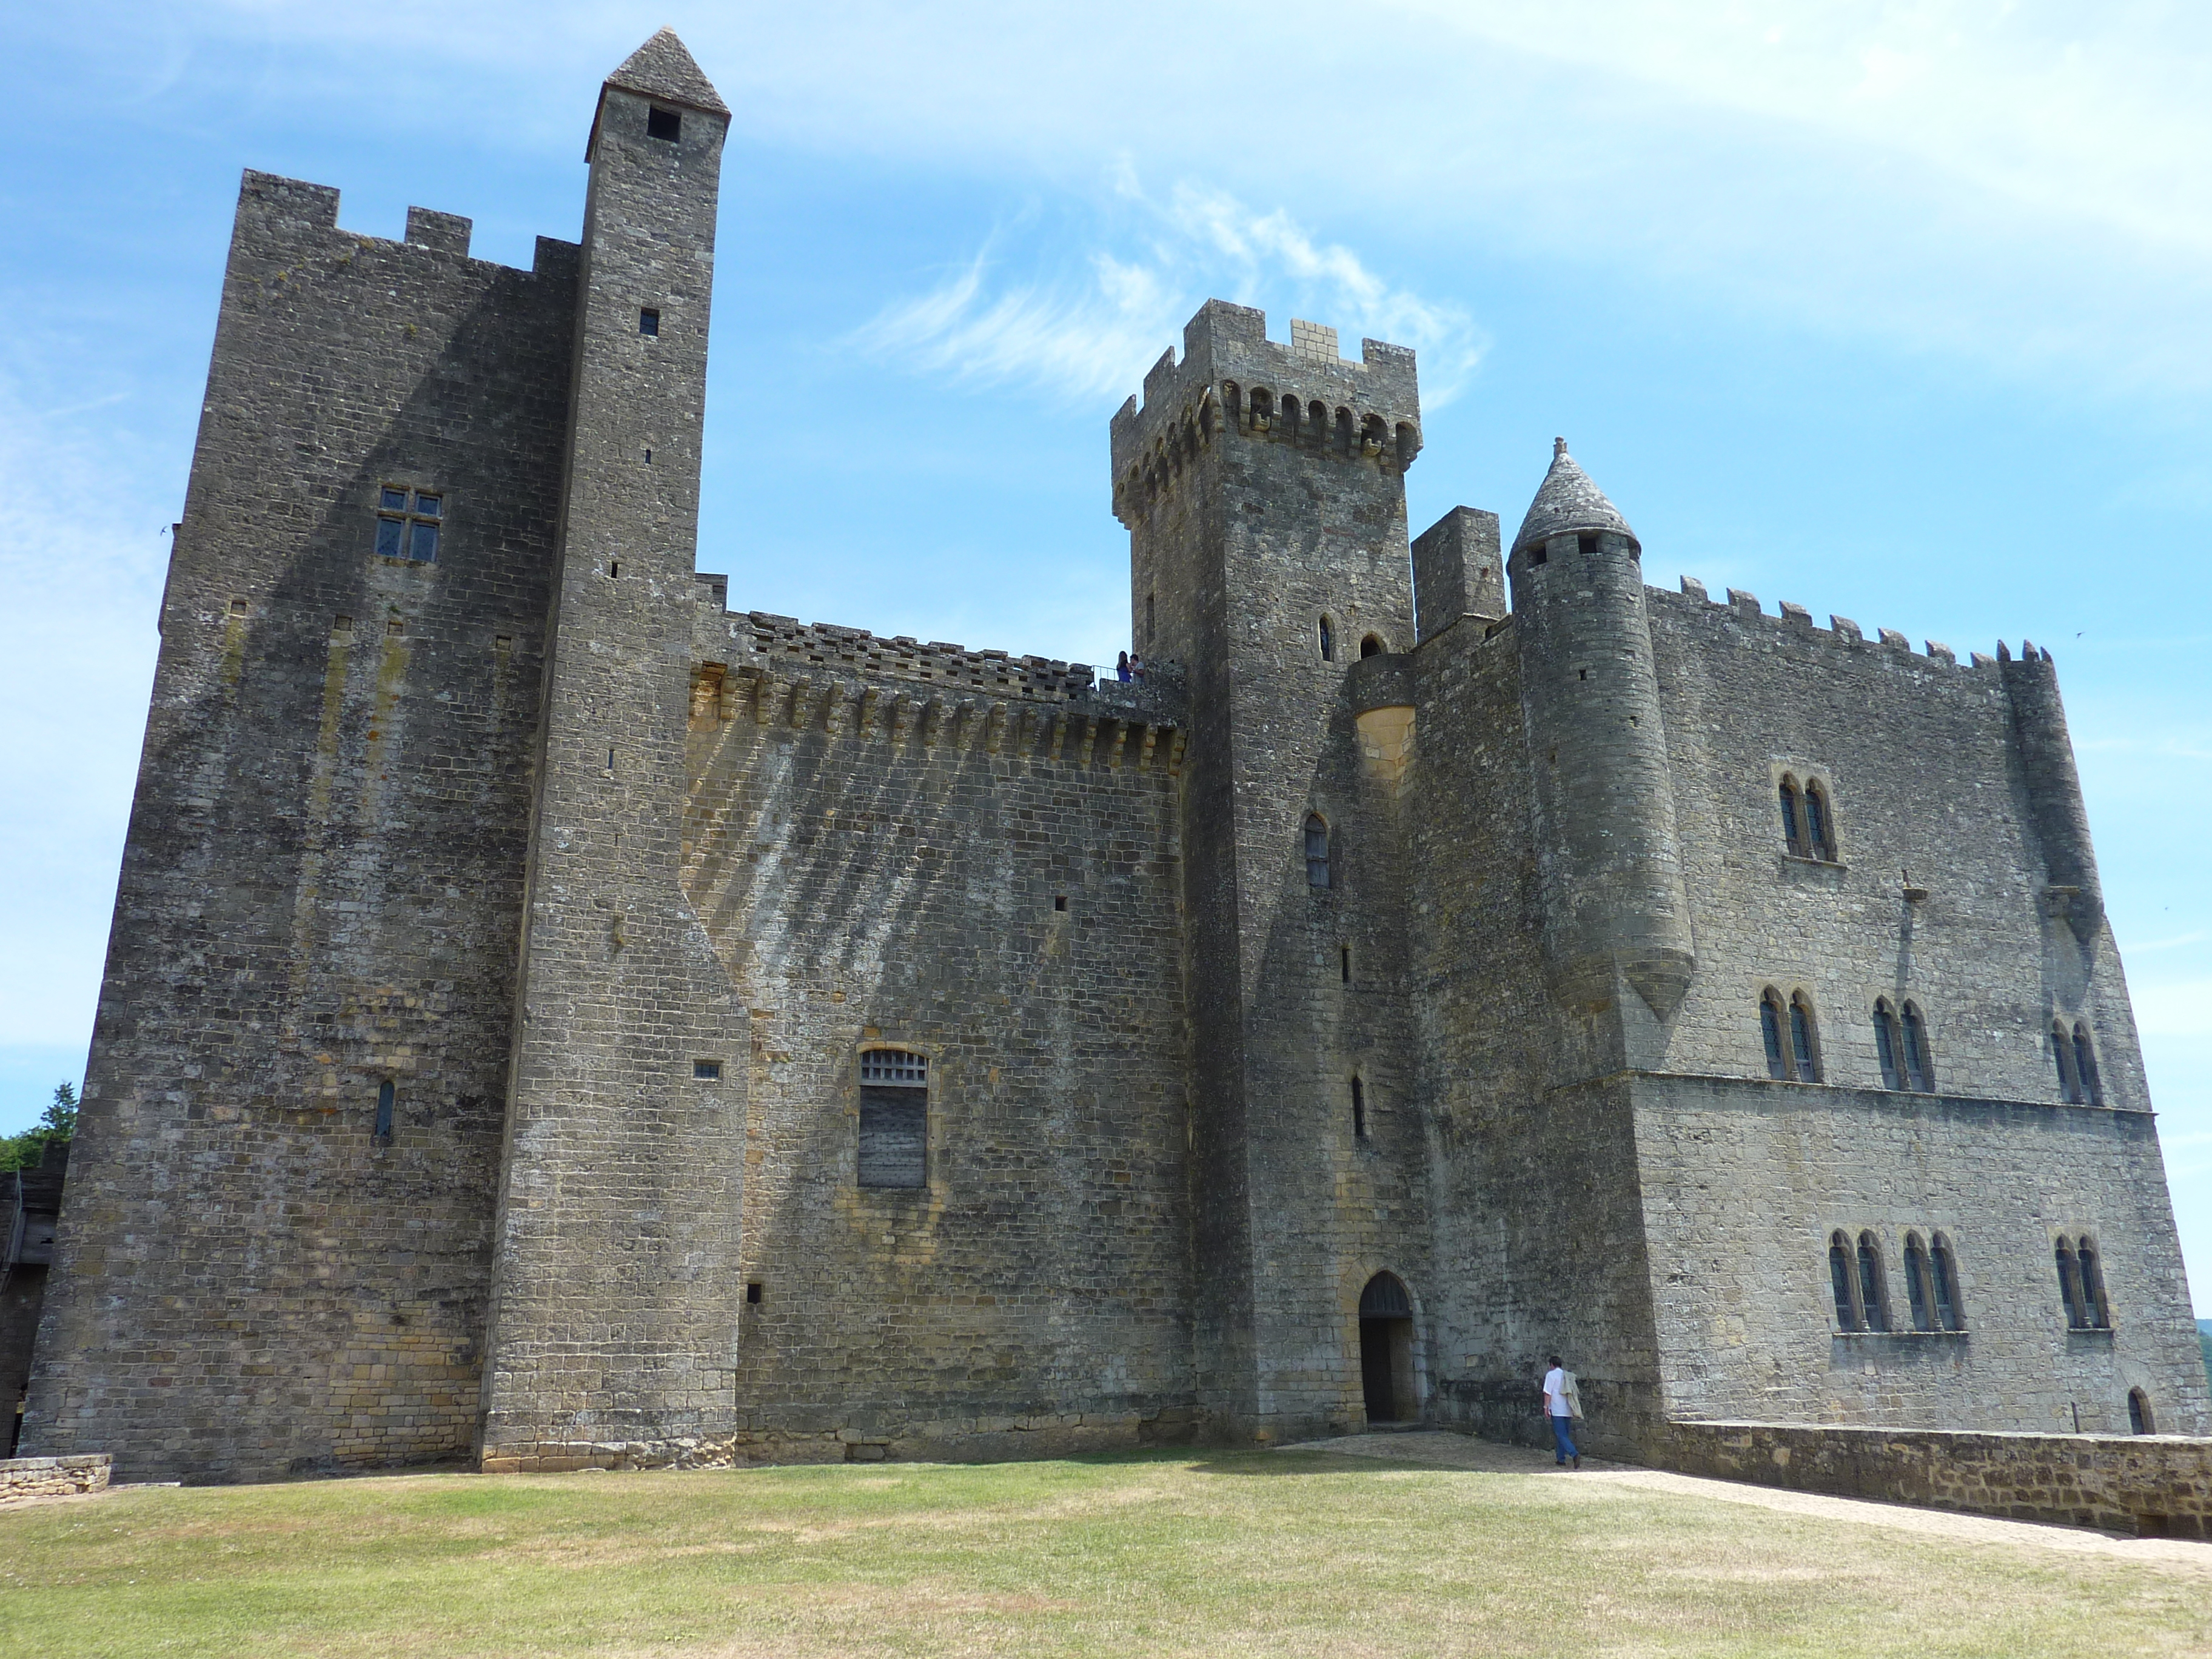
2081 1284
2077 1065
1793 1047
1859 1281
1809 826
1900 1042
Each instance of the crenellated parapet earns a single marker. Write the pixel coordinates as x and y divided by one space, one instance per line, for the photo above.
1233 382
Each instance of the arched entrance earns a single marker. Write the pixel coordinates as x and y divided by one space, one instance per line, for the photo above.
1386 1350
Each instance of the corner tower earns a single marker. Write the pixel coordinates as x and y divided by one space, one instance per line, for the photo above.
614 1312
1615 917
1263 486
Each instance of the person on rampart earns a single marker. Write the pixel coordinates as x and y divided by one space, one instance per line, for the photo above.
1559 1405
1121 668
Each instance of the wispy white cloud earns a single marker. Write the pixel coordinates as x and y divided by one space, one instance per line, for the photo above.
993 322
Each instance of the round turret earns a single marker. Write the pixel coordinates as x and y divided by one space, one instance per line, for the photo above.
1614 908
1569 503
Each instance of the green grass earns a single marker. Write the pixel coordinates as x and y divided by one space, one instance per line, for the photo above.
1260 1554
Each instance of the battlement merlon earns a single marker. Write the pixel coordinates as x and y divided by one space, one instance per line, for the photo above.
1227 344
274 211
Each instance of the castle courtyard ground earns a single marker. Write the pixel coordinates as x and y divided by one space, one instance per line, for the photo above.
1410 1544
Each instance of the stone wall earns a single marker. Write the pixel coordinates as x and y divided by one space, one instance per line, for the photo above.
986 870
53 1477
1744 1181
2153 1486
321 889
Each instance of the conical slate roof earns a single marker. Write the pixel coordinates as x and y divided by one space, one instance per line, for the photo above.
663 68
1568 500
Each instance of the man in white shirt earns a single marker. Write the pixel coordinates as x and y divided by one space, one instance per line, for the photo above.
1561 1411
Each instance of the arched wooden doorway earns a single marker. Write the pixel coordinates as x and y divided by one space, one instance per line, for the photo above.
1386 1350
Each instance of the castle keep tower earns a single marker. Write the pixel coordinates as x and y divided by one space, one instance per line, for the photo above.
1264 490
616 1302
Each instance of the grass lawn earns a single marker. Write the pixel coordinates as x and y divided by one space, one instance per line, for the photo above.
1213 1554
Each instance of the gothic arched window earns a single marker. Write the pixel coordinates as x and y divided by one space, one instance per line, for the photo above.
1804 1053
2140 1420
1874 1299
1950 1312
2085 1067
1919 1067
1839 1282
1793 821
1770 1031
2061 1056
2094 1314
1919 1291
2069 1283
1888 1046
1820 842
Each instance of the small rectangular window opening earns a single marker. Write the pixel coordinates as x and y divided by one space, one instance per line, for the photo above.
707 1071
664 123
1059 901
1587 543
1344 961
648 322
614 570
753 1292
1538 553
385 1096
408 522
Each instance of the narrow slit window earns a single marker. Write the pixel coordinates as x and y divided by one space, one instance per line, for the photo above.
894 1149
386 1096
2062 1055
2140 1420
1344 963
1793 836
1328 641
1359 1110
1317 872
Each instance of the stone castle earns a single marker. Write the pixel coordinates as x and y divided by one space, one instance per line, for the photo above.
551 1018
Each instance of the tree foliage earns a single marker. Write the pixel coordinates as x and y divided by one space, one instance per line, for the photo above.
58 1122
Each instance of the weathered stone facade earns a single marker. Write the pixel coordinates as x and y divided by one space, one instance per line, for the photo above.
554 1019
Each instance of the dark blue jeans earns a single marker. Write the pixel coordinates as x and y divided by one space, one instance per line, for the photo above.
1562 1439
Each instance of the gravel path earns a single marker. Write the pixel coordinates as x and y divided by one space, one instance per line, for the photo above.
1437 1450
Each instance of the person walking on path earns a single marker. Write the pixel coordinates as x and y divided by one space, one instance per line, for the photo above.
1559 1407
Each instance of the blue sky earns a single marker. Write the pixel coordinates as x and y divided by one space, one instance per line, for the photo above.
1897 311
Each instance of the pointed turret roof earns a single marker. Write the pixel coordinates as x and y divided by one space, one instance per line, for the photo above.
663 68
1568 500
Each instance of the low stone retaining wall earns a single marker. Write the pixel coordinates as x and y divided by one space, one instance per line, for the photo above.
2153 1486
977 1440
52 1477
